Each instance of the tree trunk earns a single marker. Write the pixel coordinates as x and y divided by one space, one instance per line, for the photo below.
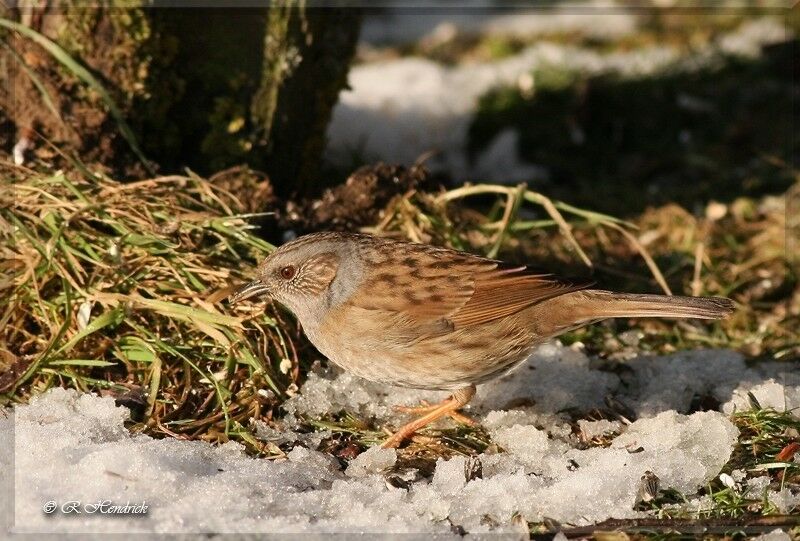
205 88
307 54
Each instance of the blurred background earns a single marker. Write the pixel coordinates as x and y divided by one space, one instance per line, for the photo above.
615 105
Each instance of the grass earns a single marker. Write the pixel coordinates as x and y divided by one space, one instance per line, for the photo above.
120 288
764 450
726 508
349 432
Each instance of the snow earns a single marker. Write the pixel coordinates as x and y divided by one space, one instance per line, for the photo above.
403 25
559 378
373 460
398 110
70 446
775 535
769 394
593 429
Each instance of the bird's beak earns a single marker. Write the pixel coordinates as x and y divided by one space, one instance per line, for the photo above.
247 291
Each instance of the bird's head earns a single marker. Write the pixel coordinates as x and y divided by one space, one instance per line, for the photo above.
301 275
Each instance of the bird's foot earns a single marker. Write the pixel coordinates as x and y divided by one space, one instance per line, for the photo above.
430 413
424 408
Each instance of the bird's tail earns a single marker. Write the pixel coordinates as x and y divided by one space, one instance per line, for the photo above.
578 308
595 304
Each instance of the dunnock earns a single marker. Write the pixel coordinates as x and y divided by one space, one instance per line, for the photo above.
432 318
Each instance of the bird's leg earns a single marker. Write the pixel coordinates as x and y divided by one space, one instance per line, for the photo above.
425 408
448 407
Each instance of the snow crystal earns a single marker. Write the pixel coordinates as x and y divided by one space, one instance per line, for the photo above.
374 460
769 394
784 500
541 477
683 451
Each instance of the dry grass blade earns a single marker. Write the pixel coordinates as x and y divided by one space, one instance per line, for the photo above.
697 284
556 212
565 228
513 202
645 255
110 286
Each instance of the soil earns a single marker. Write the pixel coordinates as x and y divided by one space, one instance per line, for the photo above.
357 202
252 188
77 122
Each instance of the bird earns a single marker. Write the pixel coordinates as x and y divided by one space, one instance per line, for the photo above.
420 316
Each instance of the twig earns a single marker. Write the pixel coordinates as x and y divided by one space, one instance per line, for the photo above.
651 264
680 526
697 285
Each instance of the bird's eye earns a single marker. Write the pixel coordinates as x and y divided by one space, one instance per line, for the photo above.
288 272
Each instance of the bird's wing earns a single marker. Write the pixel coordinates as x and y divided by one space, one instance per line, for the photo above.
506 290
419 283
428 286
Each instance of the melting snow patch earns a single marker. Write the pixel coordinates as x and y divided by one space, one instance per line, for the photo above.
397 26
398 110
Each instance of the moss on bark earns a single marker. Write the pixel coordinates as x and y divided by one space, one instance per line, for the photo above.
205 88
307 54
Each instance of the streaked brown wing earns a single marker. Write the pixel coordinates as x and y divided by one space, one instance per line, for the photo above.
421 283
505 291
435 287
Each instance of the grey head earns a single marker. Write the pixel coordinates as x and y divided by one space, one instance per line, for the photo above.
309 275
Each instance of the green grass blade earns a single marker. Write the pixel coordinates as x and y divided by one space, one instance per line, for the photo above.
38 362
155 384
187 313
80 362
136 350
112 317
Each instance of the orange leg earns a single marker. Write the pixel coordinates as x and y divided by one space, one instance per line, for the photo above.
431 413
425 408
